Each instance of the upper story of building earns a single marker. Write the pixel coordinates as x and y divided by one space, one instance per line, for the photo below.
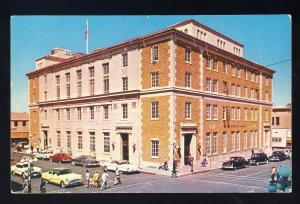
164 60
19 121
281 117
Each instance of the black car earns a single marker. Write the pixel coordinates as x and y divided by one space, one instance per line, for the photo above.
85 161
277 156
258 158
235 163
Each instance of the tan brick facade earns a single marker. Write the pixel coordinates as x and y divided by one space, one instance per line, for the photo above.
34 116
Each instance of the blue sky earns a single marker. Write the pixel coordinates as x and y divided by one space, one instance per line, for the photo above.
267 40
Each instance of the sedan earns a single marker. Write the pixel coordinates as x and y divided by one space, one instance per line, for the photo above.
44 154
22 168
63 177
277 156
235 163
85 161
60 157
123 165
258 158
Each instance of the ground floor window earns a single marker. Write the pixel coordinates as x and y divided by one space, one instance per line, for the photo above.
224 142
92 141
58 139
154 148
106 138
215 143
208 143
79 134
69 139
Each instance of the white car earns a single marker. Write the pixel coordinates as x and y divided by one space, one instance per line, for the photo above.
28 158
123 165
44 154
21 169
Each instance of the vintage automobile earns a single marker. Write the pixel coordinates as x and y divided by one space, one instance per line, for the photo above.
63 177
85 161
60 157
258 158
22 168
277 156
235 163
45 154
13 161
28 158
123 165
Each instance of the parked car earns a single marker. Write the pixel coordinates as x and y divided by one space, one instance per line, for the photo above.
123 165
277 156
45 154
13 161
63 177
22 168
235 163
28 158
60 157
85 161
258 158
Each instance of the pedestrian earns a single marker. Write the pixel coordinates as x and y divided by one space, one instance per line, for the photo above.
87 179
203 163
25 184
104 178
191 161
96 179
117 177
43 186
273 173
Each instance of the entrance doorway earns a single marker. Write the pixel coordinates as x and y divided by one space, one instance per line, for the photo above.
187 144
45 139
125 154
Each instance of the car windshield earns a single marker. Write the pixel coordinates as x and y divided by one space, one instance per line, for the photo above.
65 171
232 159
123 162
256 155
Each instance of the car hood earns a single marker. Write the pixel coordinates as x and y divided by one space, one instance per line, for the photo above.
228 163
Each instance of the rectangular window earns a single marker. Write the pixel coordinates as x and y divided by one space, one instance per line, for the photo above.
91 72
188 54
245 114
187 110
45 117
238 90
215 112
232 113
245 92
68 113
277 120
92 113
238 113
154 148
78 72
24 122
125 59
224 142
106 77
57 114
215 143
125 111
105 68
224 67
238 135
68 84
105 112
16 123
188 80
225 88
256 95
125 83
154 53
92 141
45 79
78 113
238 72
233 89
233 68
106 84
266 116
92 87
272 120
208 80
58 87
68 90
45 95
106 139
215 86
232 141
154 79
208 143
224 111
58 138
154 110
245 139
215 65
208 111
208 62
69 139
79 88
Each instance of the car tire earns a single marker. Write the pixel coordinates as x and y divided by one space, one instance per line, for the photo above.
73 163
257 163
62 184
246 166
267 161
50 160
235 168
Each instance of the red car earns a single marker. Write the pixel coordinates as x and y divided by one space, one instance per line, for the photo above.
60 157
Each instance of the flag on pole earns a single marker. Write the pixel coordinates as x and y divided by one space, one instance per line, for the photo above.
86 32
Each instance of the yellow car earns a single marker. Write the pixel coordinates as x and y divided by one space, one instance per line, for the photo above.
63 177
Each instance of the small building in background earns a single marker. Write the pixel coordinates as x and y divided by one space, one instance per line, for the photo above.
282 127
19 128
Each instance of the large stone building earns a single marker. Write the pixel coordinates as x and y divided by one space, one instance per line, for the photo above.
281 127
186 84
19 127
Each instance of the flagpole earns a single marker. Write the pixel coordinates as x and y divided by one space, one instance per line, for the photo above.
87 37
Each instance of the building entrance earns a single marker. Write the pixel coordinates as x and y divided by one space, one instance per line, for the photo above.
125 154
187 149
45 139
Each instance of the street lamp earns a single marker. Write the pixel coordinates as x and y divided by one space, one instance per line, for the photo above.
174 175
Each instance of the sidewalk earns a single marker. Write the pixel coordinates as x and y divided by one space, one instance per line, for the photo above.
181 170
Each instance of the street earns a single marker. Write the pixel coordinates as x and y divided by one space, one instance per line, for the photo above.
254 179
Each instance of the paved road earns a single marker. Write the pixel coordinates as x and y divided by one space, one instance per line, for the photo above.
254 179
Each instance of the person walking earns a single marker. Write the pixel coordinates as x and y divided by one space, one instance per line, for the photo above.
87 179
96 179
25 184
191 161
203 163
117 177
273 173
104 178
43 186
